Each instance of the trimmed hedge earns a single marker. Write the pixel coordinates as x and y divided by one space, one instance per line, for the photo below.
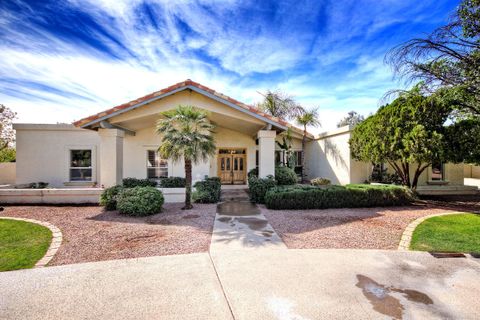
172 182
259 187
208 190
134 182
108 198
350 196
140 201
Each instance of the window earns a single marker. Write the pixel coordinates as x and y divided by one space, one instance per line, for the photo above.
80 165
437 171
156 167
298 162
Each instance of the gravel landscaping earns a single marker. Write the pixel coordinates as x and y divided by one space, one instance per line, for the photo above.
92 234
362 228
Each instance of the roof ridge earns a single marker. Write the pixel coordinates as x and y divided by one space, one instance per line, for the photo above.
178 85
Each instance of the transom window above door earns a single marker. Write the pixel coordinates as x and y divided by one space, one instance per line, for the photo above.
157 167
232 151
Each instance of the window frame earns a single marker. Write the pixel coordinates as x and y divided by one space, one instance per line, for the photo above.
147 167
93 164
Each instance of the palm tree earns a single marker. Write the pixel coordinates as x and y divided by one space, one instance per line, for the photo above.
187 134
280 105
308 118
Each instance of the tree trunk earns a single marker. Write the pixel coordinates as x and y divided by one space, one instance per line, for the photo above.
188 185
418 172
304 143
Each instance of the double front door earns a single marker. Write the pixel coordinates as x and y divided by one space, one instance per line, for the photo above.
232 166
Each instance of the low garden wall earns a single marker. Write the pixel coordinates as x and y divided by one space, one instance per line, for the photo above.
71 195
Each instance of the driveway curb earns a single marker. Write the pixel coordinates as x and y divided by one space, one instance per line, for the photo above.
406 238
57 238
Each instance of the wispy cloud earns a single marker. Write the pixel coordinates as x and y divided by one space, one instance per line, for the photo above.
61 61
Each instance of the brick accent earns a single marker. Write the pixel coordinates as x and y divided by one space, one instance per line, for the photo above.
406 239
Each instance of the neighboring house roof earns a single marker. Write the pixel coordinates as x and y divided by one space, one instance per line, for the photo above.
187 84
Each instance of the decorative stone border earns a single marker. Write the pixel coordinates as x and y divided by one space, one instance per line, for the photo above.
404 244
54 245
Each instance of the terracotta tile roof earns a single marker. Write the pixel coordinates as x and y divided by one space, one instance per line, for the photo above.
179 85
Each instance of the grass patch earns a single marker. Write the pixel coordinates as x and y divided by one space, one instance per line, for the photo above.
22 244
453 233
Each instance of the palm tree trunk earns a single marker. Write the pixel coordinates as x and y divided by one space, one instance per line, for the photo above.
188 185
304 143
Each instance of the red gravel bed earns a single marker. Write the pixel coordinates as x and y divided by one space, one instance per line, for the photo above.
364 228
91 234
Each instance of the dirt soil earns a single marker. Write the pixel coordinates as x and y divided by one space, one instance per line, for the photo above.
360 228
91 234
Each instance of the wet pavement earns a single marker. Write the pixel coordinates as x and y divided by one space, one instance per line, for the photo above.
240 225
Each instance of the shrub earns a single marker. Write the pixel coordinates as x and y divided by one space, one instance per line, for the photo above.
320 182
350 196
258 187
134 182
108 198
208 190
253 173
285 176
140 201
172 182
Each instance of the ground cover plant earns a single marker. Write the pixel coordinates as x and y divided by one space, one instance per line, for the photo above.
22 244
349 196
452 233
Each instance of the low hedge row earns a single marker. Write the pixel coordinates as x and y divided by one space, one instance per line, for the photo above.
208 190
134 182
350 196
258 187
172 182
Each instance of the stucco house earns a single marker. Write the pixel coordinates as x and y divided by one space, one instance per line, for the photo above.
121 142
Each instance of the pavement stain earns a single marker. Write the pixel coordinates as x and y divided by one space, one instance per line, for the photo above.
383 302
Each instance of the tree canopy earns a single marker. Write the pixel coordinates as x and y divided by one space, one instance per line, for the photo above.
7 134
408 134
352 119
280 105
447 59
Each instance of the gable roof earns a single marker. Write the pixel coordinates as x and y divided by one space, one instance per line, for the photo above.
180 86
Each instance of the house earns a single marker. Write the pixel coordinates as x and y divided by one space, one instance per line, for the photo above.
121 142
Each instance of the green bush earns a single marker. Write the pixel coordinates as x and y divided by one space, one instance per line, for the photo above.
134 182
285 176
108 198
172 182
208 190
350 196
140 201
258 188
253 173
320 182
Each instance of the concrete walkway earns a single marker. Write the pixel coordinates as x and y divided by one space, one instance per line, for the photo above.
250 284
240 225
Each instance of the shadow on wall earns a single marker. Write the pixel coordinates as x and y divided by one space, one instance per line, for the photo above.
333 166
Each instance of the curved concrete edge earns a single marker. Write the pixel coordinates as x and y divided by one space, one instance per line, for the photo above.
406 238
57 238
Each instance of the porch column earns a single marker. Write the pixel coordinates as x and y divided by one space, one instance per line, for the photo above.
111 156
266 153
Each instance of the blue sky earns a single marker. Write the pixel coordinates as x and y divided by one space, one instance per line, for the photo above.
64 60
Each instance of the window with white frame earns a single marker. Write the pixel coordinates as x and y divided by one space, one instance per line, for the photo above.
80 167
157 167
298 155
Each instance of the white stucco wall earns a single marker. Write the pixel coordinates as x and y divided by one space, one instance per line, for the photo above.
135 157
43 152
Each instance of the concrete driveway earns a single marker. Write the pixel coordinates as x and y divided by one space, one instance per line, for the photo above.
267 284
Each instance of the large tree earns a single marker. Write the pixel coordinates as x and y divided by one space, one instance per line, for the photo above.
280 105
447 59
352 119
408 134
308 118
186 133
7 134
